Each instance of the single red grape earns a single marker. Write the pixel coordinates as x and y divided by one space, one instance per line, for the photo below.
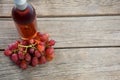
42 60
18 62
7 52
31 41
23 65
44 37
34 61
21 55
28 57
31 50
24 42
50 57
13 46
51 43
41 48
21 49
49 51
37 53
14 57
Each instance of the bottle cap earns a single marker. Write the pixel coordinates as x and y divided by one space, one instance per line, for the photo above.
21 4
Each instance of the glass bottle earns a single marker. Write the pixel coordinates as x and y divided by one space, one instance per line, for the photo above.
24 17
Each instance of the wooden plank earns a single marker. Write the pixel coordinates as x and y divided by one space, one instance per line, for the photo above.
66 7
69 64
71 32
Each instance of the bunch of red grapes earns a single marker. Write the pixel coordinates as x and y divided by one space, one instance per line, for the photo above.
31 52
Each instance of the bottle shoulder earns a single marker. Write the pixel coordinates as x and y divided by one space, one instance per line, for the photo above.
28 8
26 15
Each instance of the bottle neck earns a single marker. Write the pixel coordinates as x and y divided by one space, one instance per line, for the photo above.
21 7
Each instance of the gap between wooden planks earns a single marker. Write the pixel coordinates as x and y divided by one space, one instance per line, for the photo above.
45 8
69 64
78 32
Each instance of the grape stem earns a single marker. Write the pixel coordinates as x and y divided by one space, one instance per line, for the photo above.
14 51
26 47
32 45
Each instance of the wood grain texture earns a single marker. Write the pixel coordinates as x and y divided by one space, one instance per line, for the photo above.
66 7
71 32
69 64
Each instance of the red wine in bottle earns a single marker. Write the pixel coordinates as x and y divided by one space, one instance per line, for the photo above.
24 17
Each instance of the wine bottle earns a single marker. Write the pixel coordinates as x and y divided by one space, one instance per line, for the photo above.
24 17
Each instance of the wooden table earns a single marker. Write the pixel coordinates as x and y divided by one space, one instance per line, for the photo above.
87 34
